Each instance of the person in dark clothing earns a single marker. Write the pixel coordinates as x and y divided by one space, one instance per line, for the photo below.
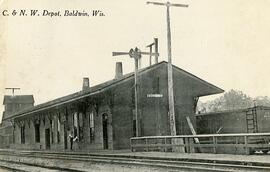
71 140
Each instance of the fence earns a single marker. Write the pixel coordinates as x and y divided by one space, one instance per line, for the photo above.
209 143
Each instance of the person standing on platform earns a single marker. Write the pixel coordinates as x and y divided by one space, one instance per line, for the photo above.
71 139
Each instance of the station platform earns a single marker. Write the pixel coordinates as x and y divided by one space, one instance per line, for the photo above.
125 160
257 159
203 157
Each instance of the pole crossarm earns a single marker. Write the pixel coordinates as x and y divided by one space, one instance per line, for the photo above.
10 88
168 4
13 89
131 54
150 45
120 53
147 53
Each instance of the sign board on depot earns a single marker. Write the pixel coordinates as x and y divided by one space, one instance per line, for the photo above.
154 95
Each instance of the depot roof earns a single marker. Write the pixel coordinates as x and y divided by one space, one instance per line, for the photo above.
107 85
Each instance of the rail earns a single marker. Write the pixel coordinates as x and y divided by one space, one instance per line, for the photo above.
246 143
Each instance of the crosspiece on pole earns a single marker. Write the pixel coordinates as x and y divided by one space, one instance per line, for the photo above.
130 54
171 112
136 54
13 89
168 4
150 46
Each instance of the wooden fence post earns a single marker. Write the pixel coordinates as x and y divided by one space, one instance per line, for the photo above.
246 147
214 144
186 143
146 142
131 146
165 144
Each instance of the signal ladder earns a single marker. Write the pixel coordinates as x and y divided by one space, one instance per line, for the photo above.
251 116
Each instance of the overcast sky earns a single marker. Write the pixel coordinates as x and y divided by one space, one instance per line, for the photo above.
224 42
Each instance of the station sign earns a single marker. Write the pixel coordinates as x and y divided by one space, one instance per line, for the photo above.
154 95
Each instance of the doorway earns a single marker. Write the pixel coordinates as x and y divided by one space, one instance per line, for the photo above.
47 138
105 131
65 137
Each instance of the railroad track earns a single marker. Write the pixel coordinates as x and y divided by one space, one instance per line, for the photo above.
169 165
28 167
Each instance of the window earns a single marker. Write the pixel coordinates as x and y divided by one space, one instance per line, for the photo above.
91 123
23 134
80 126
52 130
155 85
13 134
17 106
75 124
58 130
8 107
37 133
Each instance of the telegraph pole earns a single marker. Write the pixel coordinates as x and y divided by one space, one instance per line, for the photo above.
150 56
155 43
13 89
170 74
136 54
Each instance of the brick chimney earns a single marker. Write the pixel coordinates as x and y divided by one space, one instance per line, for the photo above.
86 84
118 70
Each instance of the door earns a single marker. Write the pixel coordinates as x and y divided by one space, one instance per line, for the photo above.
105 130
65 136
47 139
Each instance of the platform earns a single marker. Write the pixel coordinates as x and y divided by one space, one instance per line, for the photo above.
118 159
259 159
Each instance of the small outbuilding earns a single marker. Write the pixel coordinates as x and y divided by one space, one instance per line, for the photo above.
12 105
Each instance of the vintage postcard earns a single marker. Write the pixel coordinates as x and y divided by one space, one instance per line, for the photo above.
128 85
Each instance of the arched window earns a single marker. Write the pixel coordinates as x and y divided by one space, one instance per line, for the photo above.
91 124
75 124
37 131
58 129
80 121
52 129
23 134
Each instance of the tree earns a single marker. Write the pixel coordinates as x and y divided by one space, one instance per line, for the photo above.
230 100
236 100
262 101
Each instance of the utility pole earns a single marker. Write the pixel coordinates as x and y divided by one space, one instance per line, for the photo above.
13 89
155 43
170 75
136 54
150 55
156 50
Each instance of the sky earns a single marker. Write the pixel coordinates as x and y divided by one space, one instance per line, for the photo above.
224 42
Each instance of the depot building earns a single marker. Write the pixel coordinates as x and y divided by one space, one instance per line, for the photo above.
102 116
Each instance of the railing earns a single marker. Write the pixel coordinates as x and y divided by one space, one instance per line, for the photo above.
208 143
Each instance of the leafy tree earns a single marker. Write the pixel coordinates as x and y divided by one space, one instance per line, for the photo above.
230 100
236 100
262 101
